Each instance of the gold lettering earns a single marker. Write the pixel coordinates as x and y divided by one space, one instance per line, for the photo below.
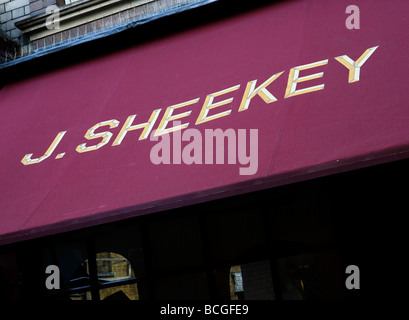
167 117
354 67
294 78
208 105
261 90
27 158
90 134
129 127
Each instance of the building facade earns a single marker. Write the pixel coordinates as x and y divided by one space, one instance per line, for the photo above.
43 26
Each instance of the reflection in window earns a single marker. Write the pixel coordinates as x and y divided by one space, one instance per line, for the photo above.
236 283
116 279
299 278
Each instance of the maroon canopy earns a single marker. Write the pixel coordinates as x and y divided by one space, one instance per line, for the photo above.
323 98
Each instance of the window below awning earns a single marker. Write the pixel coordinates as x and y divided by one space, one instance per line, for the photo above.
78 149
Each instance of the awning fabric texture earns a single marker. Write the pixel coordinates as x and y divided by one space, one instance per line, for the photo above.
314 115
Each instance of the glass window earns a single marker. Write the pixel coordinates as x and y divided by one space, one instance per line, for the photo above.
236 283
310 276
115 279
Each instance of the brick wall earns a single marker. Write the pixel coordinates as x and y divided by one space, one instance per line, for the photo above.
38 6
11 11
8 49
85 29
108 22
119 269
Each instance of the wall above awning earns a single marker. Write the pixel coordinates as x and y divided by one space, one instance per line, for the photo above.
319 98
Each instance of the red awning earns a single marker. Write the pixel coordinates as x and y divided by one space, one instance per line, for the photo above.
323 98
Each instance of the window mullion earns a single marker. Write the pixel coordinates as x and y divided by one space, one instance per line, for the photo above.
93 272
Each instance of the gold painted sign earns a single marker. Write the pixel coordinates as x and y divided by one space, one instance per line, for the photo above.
294 78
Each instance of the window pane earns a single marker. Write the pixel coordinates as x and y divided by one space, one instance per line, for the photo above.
299 277
257 281
188 286
112 266
81 296
236 283
124 292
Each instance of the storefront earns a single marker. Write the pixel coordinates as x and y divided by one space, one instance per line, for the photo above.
235 157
